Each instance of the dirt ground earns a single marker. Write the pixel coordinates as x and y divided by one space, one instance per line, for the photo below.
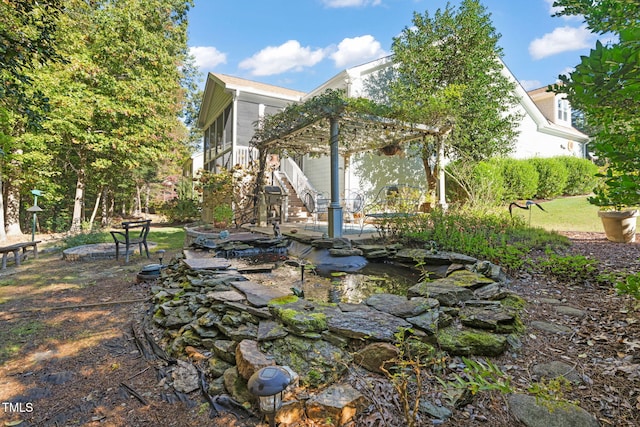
68 355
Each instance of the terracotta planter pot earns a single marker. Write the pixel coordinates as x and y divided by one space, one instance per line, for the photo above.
619 226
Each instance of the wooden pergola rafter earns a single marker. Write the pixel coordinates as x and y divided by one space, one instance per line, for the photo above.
332 125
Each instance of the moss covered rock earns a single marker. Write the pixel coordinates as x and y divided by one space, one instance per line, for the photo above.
467 342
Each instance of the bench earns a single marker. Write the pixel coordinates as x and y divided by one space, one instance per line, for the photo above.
17 255
134 233
393 203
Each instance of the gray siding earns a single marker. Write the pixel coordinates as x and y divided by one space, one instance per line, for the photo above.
247 116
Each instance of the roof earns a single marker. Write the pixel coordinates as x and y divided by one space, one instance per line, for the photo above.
232 82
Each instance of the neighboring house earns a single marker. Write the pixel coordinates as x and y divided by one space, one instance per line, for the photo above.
231 107
191 167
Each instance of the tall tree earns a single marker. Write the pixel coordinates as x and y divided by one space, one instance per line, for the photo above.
27 42
605 85
117 104
449 75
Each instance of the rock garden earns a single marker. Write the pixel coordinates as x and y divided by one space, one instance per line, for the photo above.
223 317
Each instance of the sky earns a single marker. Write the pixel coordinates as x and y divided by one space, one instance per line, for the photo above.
300 44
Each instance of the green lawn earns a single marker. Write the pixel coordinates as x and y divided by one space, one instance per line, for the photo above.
563 214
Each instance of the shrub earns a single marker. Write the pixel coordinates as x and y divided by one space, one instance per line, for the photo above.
552 177
520 178
581 177
478 184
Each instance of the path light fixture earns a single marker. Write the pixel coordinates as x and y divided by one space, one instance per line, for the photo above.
268 384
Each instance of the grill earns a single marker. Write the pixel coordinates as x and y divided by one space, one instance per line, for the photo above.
273 195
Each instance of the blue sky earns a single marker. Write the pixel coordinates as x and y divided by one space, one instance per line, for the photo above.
300 44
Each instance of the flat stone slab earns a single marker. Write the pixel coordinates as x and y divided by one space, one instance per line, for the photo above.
232 296
553 328
433 257
371 324
207 263
257 294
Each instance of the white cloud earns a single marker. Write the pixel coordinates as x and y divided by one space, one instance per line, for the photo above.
207 57
357 51
552 10
350 3
289 56
530 84
562 39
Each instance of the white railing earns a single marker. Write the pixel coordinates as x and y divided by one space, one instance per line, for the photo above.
299 182
243 156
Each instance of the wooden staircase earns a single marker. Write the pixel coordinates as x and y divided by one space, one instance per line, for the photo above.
297 211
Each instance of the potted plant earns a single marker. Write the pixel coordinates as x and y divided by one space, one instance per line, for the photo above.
618 198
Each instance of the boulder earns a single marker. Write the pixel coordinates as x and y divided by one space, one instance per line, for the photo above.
468 342
446 293
336 405
316 361
431 321
492 317
532 413
250 359
374 356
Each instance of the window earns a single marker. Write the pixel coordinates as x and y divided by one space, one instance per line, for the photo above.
563 110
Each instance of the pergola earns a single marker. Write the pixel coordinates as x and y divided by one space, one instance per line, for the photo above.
330 125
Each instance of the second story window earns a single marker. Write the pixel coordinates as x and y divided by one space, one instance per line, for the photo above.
563 110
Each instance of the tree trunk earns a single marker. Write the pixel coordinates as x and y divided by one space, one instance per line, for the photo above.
107 208
13 210
3 233
76 222
95 210
138 202
431 174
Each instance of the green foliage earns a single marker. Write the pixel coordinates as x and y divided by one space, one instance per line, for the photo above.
551 392
86 239
478 184
27 41
570 269
406 370
582 175
116 106
489 236
629 285
480 376
552 177
521 179
448 71
185 207
605 86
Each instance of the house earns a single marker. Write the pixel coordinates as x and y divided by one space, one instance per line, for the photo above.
231 106
230 109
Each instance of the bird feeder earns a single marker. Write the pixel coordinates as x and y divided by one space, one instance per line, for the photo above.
35 209
268 384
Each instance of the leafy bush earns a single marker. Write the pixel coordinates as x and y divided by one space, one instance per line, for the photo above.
477 184
488 236
552 177
570 269
582 175
86 239
520 178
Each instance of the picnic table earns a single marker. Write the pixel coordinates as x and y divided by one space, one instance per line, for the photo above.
19 251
